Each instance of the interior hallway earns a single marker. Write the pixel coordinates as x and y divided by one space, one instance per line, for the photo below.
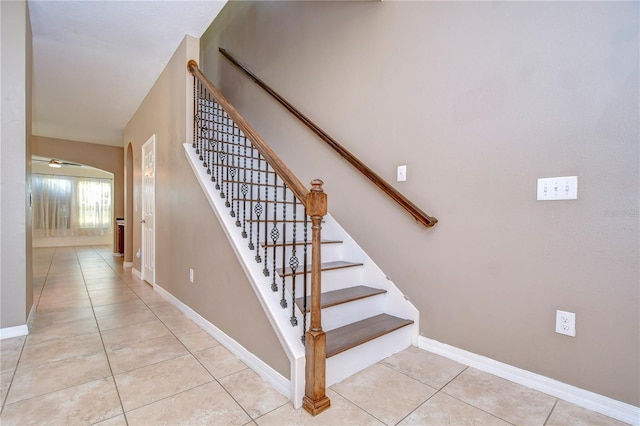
107 349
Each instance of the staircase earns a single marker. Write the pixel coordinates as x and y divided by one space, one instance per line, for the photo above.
365 318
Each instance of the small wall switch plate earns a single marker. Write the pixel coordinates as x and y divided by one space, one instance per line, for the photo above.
190 275
566 323
558 188
402 173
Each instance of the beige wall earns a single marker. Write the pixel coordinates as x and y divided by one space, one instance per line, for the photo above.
16 289
104 157
188 234
478 99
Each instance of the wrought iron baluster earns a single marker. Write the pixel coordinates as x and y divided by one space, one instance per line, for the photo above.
283 301
196 110
210 134
245 190
257 208
219 147
232 178
293 264
304 280
274 232
265 271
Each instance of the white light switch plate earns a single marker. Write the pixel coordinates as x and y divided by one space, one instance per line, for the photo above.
402 174
558 188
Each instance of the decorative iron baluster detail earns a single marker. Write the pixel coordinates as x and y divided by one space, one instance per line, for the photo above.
245 190
274 232
196 110
283 301
265 271
304 275
293 264
219 152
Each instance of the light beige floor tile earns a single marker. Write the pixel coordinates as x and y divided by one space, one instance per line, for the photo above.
109 283
117 298
111 291
125 357
53 295
155 382
63 315
252 392
59 349
64 304
431 369
123 319
341 412
208 404
5 381
219 361
113 421
83 404
197 340
10 350
178 323
54 376
120 308
135 332
384 393
566 414
512 402
43 332
444 410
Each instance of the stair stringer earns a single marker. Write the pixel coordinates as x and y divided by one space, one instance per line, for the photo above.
288 336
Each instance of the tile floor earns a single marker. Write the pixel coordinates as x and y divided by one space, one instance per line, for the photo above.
106 349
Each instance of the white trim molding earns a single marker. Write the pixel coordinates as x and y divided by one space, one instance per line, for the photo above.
127 264
592 401
136 273
17 331
275 379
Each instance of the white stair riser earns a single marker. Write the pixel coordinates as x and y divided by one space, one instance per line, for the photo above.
348 363
347 313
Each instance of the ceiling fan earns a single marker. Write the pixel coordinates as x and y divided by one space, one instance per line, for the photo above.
56 164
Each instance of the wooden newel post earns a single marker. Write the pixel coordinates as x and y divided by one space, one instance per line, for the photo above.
315 399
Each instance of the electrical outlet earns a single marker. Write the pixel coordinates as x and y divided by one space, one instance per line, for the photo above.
191 275
566 323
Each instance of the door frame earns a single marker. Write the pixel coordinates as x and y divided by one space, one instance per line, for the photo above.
148 146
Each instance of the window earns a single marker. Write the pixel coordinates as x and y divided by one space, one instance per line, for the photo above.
71 206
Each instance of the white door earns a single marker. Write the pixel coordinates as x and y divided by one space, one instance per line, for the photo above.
148 255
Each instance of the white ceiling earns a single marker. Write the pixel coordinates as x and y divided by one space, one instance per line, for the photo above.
95 61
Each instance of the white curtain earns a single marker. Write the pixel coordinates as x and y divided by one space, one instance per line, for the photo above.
65 206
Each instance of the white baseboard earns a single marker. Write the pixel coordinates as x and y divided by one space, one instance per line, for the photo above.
275 379
592 401
17 331
127 264
118 255
136 273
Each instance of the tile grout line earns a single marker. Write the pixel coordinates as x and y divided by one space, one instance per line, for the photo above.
113 378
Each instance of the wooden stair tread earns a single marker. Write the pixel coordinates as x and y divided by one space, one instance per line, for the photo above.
337 297
329 266
344 338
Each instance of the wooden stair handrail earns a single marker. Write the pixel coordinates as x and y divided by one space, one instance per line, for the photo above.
287 176
404 202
